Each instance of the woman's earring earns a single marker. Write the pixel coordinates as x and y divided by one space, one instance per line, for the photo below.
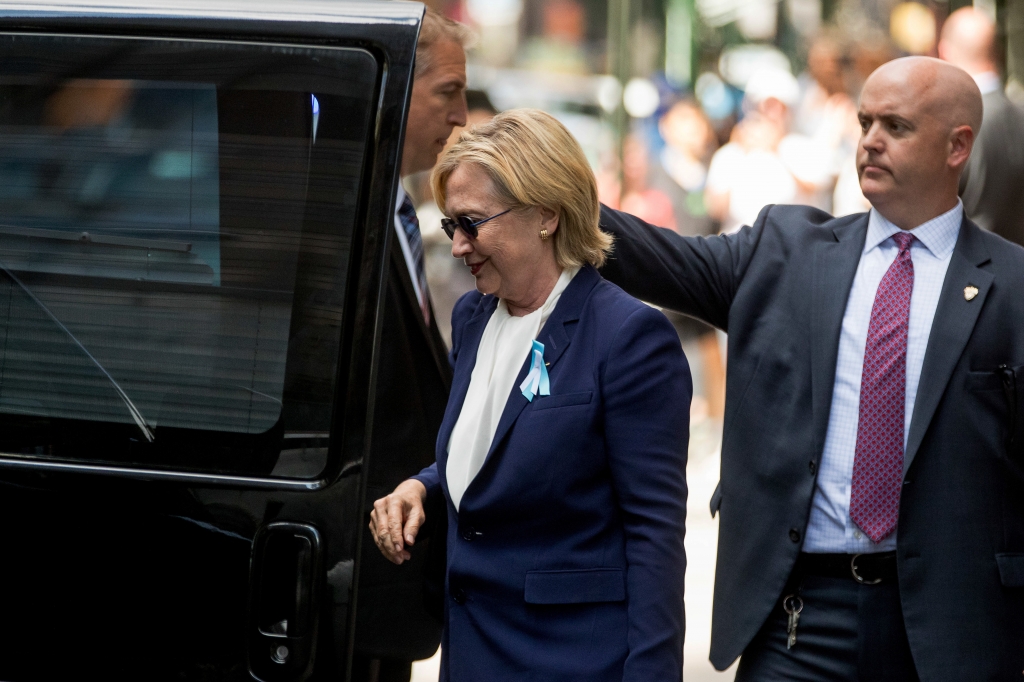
543 234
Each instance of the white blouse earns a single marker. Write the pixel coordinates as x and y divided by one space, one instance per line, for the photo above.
504 347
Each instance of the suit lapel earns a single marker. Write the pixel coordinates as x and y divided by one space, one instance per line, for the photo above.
430 333
460 382
955 317
555 340
835 264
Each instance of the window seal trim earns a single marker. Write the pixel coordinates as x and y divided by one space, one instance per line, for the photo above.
11 462
296 44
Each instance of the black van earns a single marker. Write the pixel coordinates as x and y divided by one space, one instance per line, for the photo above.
195 201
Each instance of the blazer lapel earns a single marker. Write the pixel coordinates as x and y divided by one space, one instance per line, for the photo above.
835 264
555 339
460 382
430 332
954 321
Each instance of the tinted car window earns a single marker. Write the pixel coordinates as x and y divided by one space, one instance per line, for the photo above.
175 228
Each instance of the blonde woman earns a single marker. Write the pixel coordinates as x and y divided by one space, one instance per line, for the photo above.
563 449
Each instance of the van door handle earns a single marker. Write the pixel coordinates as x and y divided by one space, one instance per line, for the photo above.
284 588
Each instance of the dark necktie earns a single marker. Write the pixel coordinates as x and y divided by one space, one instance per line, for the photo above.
878 461
411 224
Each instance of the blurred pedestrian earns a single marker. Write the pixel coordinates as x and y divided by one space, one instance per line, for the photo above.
690 140
992 183
827 117
681 169
561 45
872 492
639 197
867 53
413 377
823 84
563 452
748 172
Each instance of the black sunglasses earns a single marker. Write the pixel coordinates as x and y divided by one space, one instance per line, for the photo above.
462 222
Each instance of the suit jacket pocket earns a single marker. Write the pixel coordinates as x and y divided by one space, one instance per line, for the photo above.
984 381
1003 389
546 402
575 587
1011 569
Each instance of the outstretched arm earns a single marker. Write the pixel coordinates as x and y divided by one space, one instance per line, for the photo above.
646 389
697 276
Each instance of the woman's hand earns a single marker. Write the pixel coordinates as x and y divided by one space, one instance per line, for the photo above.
396 519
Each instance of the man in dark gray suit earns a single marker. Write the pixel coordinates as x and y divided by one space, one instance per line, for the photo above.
992 182
872 490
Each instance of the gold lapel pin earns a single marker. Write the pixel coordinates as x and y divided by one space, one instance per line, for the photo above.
970 291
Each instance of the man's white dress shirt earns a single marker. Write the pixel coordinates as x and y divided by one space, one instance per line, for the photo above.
829 528
987 82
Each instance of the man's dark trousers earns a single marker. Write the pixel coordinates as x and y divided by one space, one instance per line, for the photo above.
779 288
847 631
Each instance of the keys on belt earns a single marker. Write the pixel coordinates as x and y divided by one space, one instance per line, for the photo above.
792 604
865 569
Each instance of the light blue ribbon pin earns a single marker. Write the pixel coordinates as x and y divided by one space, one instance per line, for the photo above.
536 381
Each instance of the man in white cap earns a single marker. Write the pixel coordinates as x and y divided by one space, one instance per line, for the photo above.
765 163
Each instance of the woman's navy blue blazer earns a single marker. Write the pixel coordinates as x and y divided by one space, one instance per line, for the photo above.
565 559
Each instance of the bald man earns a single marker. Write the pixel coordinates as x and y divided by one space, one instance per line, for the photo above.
992 181
872 486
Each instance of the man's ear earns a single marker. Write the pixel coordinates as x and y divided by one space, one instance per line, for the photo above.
961 141
549 219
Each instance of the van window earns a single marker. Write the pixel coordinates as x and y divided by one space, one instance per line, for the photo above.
175 228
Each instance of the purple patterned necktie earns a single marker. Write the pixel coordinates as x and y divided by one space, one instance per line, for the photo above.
878 462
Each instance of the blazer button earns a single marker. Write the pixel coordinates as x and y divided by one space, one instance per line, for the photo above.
794 535
812 466
468 533
458 595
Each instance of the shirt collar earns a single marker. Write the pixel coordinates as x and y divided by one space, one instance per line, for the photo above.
399 196
938 235
987 82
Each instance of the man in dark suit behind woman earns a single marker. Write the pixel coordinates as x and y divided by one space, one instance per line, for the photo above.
413 377
872 486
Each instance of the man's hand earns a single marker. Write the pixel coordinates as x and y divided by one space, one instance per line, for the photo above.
396 519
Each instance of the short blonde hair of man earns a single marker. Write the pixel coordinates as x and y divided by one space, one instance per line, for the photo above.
437 28
533 160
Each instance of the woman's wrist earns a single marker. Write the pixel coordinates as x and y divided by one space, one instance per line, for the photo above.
412 486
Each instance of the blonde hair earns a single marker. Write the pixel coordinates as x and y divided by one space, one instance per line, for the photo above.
437 28
534 161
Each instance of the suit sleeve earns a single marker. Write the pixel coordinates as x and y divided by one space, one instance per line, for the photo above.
646 389
697 276
430 479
